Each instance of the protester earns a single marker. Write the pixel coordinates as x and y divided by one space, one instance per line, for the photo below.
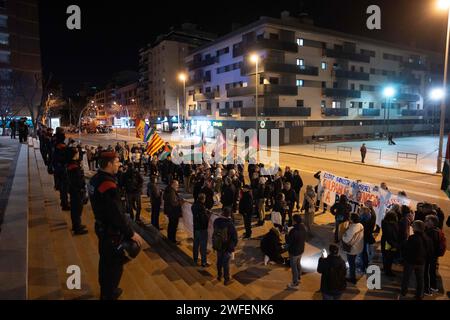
363 151
319 191
224 240
271 247
295 241
133 188
433 232
417 251
201 217
309 208
246 209
368 219
290 198
172 209
353 244
333 270
341 212
390 244
297 185
155 195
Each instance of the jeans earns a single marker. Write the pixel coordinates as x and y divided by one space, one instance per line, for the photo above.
430 274
200 242
309 220
223 263
388 259
419 271
296 268
156 206
366 255
326 296
248 224
352 266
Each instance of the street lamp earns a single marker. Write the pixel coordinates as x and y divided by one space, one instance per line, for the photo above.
436 94
182 77
254 58
443 5
388 93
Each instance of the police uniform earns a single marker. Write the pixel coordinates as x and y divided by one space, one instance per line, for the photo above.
111 227
59 168
77 190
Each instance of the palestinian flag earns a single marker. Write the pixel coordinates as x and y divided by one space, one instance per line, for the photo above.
167 151
154 144
446 172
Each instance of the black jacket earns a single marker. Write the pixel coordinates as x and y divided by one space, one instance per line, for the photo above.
209 193
296 239
333 272
290 197
221 223
201 216
390 234
154 193
298 183
289 177
133 181
369 225
271 246
433 235
246 204
107 206
76 177
341 211
417 249
228 195
172 204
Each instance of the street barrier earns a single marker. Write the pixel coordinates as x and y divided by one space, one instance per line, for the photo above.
320 147
407 155
374 150
344 149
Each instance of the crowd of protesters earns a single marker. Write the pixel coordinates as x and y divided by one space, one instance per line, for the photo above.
413 239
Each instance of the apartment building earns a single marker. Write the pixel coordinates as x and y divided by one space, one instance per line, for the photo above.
312 82
20 55
160 64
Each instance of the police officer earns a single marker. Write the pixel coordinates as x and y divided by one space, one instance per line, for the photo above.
77 190
59 159
111 225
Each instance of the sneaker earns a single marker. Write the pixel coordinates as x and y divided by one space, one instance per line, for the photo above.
266 260
205 265
434 290
227 282
293 286
428 293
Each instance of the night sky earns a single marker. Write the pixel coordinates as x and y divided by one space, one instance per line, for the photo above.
113 31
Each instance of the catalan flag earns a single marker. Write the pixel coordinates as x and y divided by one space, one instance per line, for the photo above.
154 144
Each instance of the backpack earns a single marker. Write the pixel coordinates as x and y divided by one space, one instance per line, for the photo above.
442 244
220 239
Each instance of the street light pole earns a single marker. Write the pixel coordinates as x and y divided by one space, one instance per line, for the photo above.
256 98
184 106
442 123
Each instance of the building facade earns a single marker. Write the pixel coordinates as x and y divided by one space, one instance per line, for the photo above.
311 83
160 63
20 56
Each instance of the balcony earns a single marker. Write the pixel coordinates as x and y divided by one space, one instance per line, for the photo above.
414 65
202 63
265 89
412 113
408 97
206 96
277 112
280 68
347 55
227 112
369 112
335 112
354 75
261 44
199 113
341 93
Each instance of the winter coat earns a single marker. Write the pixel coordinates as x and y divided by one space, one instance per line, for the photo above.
341 211
200 215
390 234
271 246
246 204
297 184
296 239
333 272
222 223
354 236
417 249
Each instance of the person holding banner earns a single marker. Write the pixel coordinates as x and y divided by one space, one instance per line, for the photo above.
353 244
390 243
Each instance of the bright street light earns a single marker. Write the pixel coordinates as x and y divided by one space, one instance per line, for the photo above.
92 101
389 92
443 4
437 94
182 77
254 58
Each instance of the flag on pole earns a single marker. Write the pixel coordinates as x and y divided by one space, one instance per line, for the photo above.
148 133
446 172
140 129
154 144
166 152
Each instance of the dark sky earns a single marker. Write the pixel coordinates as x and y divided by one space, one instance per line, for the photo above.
113 31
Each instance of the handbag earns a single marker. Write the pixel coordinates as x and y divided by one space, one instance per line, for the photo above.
348 246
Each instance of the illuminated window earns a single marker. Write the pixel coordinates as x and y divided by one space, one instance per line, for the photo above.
300 62
300 83
324 66
300 42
